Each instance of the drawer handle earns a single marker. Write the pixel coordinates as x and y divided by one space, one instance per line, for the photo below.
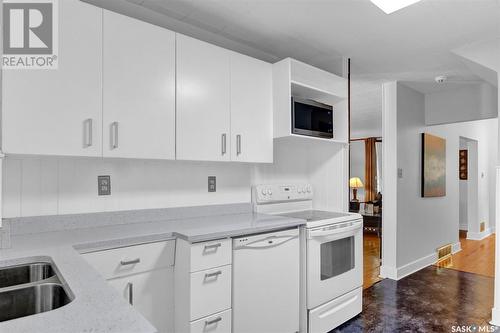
214 274
130 262
130 286
213 246
213 321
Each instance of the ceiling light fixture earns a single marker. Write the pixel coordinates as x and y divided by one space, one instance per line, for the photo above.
390 6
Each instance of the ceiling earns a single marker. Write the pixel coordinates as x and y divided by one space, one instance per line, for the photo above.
413 44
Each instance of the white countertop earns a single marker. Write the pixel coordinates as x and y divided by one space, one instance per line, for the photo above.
97 307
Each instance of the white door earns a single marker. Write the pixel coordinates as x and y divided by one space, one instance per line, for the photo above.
251 110
138 89
151 294
58 112
334 261
203 97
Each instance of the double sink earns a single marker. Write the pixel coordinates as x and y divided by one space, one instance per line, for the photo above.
29 289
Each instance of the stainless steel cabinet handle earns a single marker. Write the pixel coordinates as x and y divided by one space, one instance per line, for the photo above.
214 274
238 144
87 124
130 262
224 144
213 321
212 246
130 287
114 135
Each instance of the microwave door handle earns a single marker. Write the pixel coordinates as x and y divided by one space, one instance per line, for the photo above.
323 232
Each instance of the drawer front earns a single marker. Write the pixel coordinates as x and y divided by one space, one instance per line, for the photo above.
328 316
132 259
210 254
210 291
217 323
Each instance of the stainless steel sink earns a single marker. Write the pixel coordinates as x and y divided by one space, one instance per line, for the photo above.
30 289
27 301
14 275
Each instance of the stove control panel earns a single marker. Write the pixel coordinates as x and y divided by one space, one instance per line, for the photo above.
263 194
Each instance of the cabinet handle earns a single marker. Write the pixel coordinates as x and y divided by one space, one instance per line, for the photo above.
114 135
87 124
212 246
238 144
213 321
130 262
214 274
224 144
130 287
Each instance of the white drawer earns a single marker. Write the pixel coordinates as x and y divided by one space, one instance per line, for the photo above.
328 316
210 254
132 259
210 291
217 323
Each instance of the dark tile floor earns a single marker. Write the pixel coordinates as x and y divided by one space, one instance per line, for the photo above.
430 300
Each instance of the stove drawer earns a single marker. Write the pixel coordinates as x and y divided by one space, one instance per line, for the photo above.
328 316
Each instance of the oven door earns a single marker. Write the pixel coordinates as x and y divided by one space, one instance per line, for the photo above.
334 261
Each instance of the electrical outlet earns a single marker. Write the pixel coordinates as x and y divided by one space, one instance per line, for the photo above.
400 173
212 184
104 185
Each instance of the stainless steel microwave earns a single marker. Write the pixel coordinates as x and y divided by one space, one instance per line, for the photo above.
312 118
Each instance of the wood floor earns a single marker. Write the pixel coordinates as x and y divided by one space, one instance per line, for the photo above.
476 256
371 260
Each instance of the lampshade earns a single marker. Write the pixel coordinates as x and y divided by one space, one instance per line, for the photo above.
355 182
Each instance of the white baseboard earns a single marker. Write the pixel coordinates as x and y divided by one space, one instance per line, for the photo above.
387 272
479 235
414 266
495 317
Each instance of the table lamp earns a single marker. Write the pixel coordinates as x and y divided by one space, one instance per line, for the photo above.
355 183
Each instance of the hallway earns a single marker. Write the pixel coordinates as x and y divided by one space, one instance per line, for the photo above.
476 256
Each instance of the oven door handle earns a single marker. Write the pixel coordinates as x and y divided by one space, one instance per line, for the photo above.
328 232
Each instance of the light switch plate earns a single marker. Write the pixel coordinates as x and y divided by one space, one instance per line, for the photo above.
212 184
104 185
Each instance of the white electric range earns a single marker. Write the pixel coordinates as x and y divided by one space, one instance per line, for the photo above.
331 255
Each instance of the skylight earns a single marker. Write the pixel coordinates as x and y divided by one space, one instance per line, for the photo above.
390 6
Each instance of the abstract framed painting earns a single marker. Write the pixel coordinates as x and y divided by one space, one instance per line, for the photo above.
433 166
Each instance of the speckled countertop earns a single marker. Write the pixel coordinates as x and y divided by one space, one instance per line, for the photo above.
97 307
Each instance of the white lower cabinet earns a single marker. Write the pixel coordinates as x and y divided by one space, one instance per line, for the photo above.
151 294
210 291
144 276
202 289
217 323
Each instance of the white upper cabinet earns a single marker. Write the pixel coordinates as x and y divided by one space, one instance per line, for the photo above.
58 112
138 89
203 101
251 110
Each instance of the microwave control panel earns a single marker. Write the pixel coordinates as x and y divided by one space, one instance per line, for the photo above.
263 194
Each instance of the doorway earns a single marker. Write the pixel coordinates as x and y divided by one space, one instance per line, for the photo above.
366 199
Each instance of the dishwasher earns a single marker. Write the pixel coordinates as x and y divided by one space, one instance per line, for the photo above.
266 283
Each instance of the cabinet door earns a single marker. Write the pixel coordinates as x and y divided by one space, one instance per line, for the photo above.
251 110
151 294
138 89
203 115
58 112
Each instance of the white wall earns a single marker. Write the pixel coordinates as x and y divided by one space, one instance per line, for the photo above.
48 185
424 224
470 102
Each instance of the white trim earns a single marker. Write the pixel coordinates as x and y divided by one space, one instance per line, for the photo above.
387 272
414 266
479 235
495 317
